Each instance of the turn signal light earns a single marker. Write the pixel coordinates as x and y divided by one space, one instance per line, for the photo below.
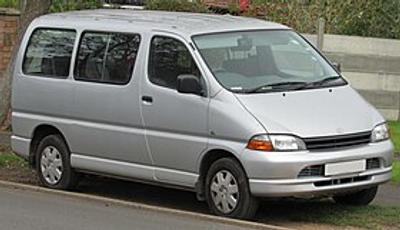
260 145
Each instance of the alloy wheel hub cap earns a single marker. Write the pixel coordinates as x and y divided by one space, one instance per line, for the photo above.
51 165
224 191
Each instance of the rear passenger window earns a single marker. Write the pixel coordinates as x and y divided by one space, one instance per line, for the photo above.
49 53
169 58
106 57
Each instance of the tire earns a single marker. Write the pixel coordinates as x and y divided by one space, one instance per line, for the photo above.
53 164
227 191
361 198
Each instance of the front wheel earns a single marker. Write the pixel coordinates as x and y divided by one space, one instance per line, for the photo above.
361 198
53 164
227 190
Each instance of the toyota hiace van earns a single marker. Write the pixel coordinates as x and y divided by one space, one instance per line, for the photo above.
234 109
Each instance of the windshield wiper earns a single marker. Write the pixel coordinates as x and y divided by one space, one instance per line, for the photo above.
324 82
293 85
327 80
276 87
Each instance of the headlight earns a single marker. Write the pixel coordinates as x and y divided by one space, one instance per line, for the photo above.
380 133
276 143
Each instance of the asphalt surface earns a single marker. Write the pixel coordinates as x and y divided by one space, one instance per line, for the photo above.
29 210
388 195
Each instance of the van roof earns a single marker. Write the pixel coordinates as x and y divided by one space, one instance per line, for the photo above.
177 22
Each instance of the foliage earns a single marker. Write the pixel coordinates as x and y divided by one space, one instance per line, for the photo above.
9 160
176 5
370 18
325 211
396 172
60 5
9 3
68 5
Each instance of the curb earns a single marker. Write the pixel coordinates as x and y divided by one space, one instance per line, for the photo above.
94 198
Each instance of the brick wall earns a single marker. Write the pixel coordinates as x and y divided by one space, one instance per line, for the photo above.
9 23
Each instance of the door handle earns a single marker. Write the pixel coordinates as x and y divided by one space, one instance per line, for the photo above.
147 99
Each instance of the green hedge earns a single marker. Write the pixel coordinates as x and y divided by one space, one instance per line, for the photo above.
68 5
59 5
370 18
176 5
9 3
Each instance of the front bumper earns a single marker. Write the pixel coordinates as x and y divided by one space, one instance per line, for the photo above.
276 174
308 187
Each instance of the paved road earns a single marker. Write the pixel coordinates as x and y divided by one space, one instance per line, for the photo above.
388 195
27 210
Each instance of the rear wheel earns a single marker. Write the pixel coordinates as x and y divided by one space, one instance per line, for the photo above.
53 164
361 198
227 190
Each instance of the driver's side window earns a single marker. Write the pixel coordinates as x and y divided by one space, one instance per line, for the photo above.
169 58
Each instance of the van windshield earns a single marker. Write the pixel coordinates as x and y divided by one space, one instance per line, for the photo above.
265 61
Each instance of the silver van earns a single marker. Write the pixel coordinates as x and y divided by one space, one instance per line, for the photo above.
232 108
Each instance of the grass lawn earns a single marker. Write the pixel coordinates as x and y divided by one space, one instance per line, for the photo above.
327 212
396 172
395 135
10 160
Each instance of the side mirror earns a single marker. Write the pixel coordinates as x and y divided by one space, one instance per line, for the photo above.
189 84
337 66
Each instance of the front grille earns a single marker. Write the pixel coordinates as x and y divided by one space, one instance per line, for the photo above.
373 163
333 142
310 171
319 170
341 181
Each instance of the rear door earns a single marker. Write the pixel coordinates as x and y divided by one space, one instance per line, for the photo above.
42 87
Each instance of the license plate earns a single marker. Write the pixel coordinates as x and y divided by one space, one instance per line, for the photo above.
345 167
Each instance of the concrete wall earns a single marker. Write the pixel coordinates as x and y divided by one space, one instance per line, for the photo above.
371 65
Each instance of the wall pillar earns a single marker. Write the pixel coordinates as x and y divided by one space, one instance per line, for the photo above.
9 25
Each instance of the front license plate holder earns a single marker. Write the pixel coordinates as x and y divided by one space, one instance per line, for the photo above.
345 167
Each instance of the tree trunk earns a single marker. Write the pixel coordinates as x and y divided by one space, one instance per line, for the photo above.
33 9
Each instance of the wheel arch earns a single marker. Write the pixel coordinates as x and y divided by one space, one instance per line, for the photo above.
38 134
205 163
